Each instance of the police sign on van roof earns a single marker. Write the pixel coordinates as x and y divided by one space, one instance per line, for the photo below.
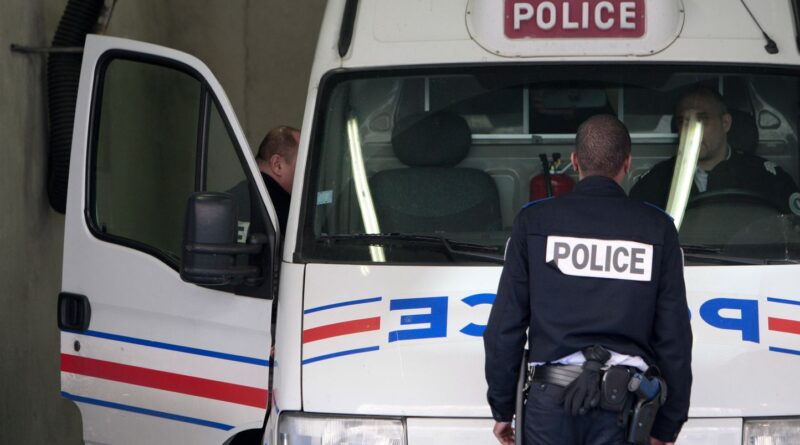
565 18
566 28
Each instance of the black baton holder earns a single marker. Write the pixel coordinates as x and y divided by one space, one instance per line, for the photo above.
522 397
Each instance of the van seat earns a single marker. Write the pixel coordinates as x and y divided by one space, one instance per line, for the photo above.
431 194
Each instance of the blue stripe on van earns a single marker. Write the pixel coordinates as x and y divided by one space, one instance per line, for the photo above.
340 354
784 350
781 300
147 412
344 303
172 347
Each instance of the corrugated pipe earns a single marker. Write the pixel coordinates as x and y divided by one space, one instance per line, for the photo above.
63 75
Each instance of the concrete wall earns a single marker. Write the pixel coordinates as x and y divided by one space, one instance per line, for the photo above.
277 74
31 410
261 51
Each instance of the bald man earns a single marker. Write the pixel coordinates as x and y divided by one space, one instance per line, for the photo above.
277 156
596 280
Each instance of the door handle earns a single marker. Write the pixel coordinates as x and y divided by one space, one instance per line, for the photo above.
74 312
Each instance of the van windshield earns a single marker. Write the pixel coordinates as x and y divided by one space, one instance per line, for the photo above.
431 166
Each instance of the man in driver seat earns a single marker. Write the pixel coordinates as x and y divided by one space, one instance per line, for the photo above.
718 166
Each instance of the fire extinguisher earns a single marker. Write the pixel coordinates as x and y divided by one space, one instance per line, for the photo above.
553 181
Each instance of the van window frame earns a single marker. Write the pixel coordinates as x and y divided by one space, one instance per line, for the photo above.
207 101
334 77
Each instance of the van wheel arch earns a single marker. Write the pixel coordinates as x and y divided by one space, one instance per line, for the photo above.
246 437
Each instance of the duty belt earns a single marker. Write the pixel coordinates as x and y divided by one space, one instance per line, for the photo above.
561 375
636 397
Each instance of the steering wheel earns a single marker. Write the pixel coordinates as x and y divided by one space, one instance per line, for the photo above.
732 194
718 216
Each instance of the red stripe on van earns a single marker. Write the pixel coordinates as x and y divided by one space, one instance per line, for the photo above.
167 381
343 328
783 325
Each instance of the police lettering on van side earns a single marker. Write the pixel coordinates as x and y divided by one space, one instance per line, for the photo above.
431 316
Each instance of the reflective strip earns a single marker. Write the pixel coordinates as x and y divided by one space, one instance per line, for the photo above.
784 350
344 303
343 328
782 300
173 347
147 412
167 381
784 325
340 354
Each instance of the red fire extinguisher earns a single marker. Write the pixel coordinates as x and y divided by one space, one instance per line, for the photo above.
553 181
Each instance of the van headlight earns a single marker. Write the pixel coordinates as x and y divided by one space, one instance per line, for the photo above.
315 429
771 431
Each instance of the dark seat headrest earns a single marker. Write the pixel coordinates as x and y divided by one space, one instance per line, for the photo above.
743 135
440 139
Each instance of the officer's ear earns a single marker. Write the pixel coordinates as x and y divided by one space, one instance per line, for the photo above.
277 165
727 121
575 165
626 166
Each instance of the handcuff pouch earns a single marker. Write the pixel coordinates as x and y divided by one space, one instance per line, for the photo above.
614 388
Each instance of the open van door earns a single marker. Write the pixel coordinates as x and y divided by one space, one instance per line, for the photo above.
146 356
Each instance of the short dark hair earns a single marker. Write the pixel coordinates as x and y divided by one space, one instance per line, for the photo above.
279 141
602 144
704 92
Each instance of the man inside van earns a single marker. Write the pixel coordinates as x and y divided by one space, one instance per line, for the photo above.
718 166
277 156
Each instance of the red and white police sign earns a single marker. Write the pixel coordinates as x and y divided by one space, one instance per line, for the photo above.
574 28
574 18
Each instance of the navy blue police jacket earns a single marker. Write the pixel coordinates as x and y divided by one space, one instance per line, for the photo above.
592 267
740 172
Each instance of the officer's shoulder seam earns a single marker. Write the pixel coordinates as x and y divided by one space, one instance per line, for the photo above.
659 209
537 201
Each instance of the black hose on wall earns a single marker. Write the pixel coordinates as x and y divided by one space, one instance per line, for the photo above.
63 75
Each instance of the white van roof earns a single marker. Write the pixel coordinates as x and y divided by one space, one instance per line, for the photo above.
434 32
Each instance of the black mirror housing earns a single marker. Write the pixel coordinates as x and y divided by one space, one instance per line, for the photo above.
209 243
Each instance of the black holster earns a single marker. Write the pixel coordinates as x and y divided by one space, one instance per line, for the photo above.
643 414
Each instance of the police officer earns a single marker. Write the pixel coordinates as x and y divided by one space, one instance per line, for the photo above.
719 167
596 279
276 159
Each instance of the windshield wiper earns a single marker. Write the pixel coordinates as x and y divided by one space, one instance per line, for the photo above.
699 248
708 254
451 248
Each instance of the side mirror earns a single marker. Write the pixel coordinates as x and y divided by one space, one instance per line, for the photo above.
210 252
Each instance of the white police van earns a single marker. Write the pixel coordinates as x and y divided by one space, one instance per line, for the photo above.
421 139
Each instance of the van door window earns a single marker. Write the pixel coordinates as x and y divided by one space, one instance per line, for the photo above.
160 136
144 155
225 173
